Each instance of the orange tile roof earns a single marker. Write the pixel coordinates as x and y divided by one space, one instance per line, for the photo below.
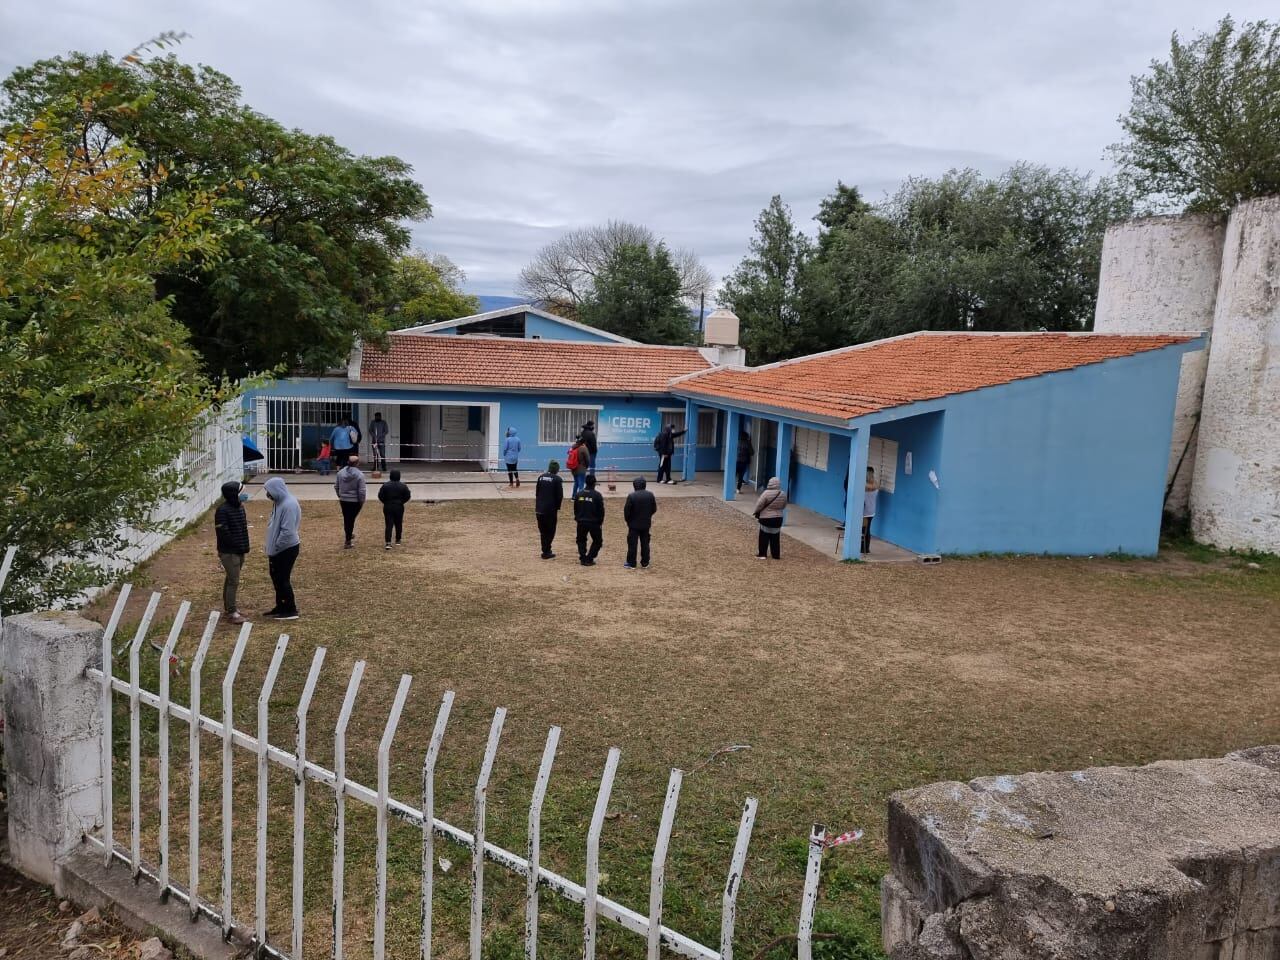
515 364
855 381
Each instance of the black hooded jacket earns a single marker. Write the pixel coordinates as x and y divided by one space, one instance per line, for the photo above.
230 525
665 443
588 436
640 507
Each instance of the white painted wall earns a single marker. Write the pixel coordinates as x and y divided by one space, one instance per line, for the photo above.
1160 275
1235 499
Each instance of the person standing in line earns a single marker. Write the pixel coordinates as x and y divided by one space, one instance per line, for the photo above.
588 511
350 487
511 457
588 436
378 429
340 441
548 496
869 496
665 444
283 543
638 512
394 495
578 461
746 450
231 528
768 513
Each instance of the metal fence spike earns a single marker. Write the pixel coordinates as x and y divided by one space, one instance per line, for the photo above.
108 672
535 843
384 776
340 804
193 759
429 816
591 889
166 653
300 795
477 842
658 869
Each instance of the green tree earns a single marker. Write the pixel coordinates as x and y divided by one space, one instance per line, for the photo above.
311 232
765 288
427 288
98 383
637 294
1203 127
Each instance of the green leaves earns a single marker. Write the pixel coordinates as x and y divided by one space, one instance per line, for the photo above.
637 294
1203 127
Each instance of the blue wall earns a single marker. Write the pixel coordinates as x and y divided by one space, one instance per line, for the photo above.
909 515
536 326
822 490
1067 463
521 411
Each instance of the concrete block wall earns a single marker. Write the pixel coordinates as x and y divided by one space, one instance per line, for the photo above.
1178 860
1235 500
1160 275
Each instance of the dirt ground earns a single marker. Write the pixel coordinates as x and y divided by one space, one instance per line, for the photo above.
838 682
34 923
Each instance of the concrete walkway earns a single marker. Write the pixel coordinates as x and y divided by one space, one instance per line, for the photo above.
806 526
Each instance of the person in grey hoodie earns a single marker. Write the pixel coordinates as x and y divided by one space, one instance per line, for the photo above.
768 513
283 542
350 486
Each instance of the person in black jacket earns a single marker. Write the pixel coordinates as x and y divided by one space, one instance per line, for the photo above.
588 436
638 511
548 495
665 444
231 528
394 495
588 510
746 450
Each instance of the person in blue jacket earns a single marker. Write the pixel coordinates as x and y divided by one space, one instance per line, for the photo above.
511 457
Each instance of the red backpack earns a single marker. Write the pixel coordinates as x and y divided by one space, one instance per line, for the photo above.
571 461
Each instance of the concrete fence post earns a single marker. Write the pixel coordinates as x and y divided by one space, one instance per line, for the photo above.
52 736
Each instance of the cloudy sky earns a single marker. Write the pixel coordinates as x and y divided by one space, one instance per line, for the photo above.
524 118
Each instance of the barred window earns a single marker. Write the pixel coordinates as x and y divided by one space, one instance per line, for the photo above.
558 425
707 422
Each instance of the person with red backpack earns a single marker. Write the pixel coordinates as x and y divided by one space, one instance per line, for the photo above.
578 461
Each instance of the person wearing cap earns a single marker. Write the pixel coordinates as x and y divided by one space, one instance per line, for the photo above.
638 512
231 529
548 496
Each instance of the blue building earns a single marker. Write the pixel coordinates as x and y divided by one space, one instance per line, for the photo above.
449 391
1020 443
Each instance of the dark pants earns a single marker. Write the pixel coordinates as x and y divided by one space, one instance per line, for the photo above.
513 473
866 534
393 520
640 537
232 564
547 531
593 531
340 457
664 467
591 463
281 568
742 472
350 510
770 538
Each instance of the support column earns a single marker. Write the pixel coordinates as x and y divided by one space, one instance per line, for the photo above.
859 449
52 737
690 440
732 426
782 469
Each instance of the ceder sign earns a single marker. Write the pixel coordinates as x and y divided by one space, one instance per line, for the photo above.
626 427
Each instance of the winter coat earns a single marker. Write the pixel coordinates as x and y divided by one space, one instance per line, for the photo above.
639 509
286 518
394 495
588 506
746 449
349 484
342 438
665 443
588 436
584 460
548 494
511 448
230 525
771 503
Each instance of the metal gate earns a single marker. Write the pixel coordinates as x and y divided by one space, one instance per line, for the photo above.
290 430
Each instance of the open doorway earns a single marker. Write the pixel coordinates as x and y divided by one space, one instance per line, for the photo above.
444 433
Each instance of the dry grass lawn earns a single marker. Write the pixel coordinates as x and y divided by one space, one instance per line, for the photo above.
846 682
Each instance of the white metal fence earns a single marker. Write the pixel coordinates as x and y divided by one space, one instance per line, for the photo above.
647 923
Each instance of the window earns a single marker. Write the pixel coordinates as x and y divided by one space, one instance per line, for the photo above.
708 420
882 457
811 447
560 425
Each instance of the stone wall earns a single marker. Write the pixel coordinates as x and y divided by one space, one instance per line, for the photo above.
1177 860
1160 274
1236 492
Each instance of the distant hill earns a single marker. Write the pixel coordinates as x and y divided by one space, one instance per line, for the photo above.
490 302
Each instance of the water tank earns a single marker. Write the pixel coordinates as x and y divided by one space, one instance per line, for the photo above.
721 329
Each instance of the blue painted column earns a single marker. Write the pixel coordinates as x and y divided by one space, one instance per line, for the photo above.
732 425
782 468
859 449
690 439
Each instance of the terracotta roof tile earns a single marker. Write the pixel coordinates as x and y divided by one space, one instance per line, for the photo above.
510 363
853 382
